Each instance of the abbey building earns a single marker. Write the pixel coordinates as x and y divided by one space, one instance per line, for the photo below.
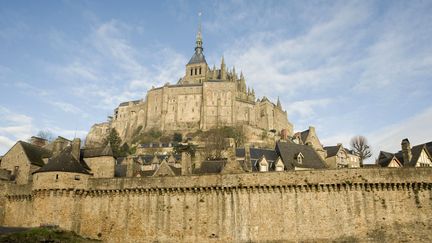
205 97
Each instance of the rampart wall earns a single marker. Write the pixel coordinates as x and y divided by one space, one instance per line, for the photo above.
348 205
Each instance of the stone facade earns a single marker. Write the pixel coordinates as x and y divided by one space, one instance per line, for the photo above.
204 98
22 160
378 205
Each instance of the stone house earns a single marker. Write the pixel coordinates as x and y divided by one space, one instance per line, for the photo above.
100 160
340 157
22 160
310 138
64 170
287 155
416 156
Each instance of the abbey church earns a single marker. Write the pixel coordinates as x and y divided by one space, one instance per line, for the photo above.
203 98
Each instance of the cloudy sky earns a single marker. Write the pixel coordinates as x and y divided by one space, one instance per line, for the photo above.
345 67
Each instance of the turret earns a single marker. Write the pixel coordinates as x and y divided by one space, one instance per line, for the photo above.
279 103
223 70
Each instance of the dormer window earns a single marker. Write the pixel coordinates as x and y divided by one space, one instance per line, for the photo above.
263 164
299 158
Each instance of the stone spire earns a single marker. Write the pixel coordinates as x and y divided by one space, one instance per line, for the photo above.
279 104
198 42
223 69
242 82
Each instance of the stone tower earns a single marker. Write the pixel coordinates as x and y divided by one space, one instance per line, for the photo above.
196 68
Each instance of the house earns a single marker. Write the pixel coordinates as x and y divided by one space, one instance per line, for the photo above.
22 160
287 155
299 157
100 160
310 138
416 156
340 157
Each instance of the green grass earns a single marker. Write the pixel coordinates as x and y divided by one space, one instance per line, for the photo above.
44 235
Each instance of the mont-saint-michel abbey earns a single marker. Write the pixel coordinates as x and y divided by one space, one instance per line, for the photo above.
205 97
206 159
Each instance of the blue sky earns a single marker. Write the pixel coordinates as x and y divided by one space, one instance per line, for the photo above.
345 67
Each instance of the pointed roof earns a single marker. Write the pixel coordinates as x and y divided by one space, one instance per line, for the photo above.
332 150
289 151
64 162
34 153
198 56
97 152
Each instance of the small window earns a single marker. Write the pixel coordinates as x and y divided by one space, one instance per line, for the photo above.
200 70
77 177
191 71
195 71
300 158
57 177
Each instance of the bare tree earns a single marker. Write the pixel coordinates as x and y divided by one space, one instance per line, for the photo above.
361 148
46 134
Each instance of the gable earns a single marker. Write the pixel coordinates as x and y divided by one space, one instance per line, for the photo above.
164 170
424 159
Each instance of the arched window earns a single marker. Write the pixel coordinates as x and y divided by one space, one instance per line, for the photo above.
191 71
200 70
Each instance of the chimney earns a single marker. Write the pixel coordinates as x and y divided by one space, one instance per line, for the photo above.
311 129
247 158
76 147
40 142
185 163
56 147
284 134
406 150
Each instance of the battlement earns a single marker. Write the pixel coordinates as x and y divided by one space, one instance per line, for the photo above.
347 204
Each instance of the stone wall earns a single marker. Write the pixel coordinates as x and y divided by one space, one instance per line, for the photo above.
367 204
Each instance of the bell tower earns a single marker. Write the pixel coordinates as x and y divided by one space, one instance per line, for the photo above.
197 68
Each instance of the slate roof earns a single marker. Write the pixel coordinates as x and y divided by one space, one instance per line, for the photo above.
96 152
147 159
332 150
256 154
288 152
35 154
211 167
64 162
304 135
385 157
198 57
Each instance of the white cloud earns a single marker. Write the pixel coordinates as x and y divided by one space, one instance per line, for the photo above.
306 108
416 129
13 127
